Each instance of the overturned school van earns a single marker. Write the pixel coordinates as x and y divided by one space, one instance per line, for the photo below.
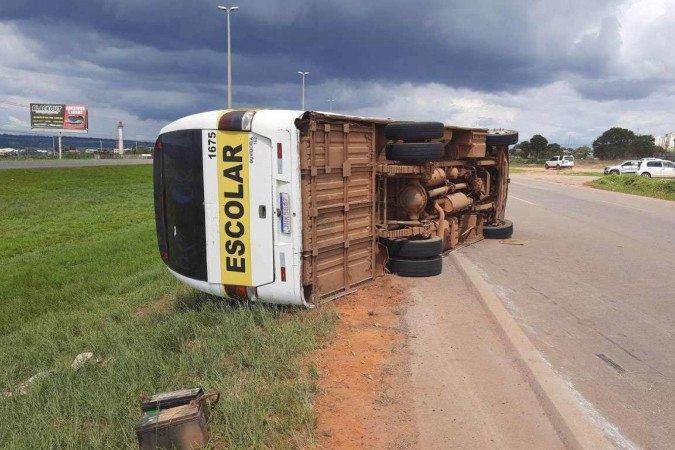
295 207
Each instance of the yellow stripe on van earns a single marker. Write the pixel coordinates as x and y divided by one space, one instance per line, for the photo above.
233 192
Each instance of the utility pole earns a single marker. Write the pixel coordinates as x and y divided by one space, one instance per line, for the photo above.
303 88
228 10
330 103
60 148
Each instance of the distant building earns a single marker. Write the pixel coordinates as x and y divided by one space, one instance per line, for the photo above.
667 141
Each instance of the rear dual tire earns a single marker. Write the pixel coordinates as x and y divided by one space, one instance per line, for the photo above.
415 258
405 248
427 267
414 131
416 152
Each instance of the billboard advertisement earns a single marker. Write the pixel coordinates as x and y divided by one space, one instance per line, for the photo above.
59 117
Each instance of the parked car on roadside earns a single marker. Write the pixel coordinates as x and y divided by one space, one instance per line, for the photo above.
657 168
626 167
560 162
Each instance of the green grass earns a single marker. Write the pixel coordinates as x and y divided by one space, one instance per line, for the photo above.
648 187
517 169
80 272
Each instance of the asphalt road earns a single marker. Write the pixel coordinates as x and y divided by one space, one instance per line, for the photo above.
37 164
594 289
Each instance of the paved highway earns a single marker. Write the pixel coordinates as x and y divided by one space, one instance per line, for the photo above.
594 288
37 163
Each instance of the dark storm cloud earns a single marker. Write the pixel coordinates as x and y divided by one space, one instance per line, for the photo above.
480 45
166 58
605 90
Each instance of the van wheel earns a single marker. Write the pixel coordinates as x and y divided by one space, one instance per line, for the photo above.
428 267
414 131
405 248
647 174
502 231
502 137
422 151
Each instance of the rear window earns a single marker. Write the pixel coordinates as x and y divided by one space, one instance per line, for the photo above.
569 158
179 202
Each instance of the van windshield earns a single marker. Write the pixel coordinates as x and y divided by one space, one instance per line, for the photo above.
179 202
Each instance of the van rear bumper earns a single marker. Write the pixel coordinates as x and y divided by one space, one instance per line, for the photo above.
209 288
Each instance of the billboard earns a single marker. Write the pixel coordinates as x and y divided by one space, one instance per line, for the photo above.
59 117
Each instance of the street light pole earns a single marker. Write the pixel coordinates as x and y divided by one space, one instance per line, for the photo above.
228 10
330 103
303 88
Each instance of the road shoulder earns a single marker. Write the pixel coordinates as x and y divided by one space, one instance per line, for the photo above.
469 387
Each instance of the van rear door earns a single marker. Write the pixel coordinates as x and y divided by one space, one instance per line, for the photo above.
238 207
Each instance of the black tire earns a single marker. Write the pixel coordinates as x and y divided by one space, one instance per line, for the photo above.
405 248
614 172
502 137
646 174
423 151
414 131
502 231
428 267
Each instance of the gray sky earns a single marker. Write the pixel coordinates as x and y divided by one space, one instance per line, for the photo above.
565 69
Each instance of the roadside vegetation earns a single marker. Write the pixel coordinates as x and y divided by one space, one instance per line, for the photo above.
80 273
648 187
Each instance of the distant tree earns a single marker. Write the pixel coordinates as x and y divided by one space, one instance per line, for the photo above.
553 150
643 146
583 152
522 149
614 143
538 146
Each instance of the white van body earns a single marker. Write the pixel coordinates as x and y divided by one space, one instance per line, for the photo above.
301 207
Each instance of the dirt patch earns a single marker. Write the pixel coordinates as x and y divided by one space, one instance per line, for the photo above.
361 403
161 304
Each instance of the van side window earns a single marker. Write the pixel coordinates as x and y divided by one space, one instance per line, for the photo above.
654 164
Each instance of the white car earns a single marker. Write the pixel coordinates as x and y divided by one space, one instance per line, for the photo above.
560 162
657 168
630 166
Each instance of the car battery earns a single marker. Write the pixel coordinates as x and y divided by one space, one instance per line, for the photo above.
181 427
176 419
166 400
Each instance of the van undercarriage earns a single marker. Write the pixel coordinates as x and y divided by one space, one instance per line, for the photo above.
382 196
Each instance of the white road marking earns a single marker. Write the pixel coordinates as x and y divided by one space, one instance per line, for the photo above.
522 200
